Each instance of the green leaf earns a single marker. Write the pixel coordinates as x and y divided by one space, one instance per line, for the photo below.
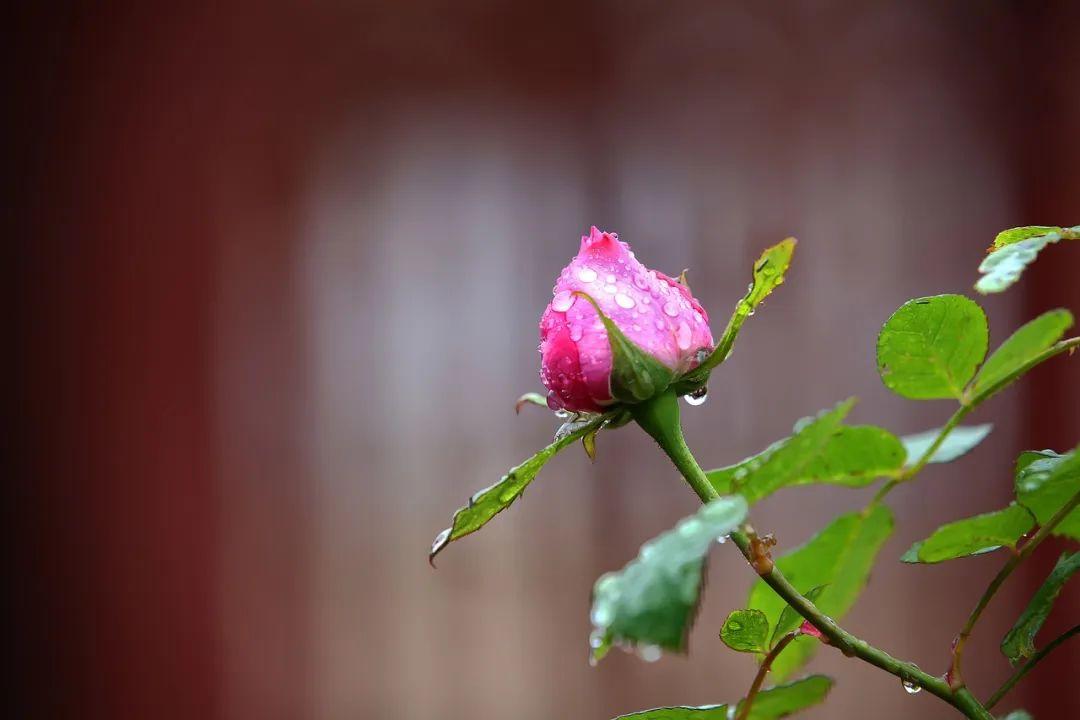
1018 715
490 501
653 599
957 443
1015 250
797 458
635 375
1021 348
1045 482
776 702
1019 642
746 631
790 619
931 346
840 556
768 275
1017 234
973 536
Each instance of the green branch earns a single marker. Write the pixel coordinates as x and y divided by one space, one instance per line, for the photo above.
659 417
1029 666
763 670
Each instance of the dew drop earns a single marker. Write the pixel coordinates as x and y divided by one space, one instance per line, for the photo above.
641 281
610 289
562 301
646 299
637 328
698 397
624 301
683 336
440 539
671 308
910 688
601 616
650 653
575 332
721 540
593 662
596 639
586 275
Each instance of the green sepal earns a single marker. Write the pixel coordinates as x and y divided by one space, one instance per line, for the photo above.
487 503
1019 642
768 274
636 376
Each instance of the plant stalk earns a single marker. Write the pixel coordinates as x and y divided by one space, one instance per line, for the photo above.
1029 666
659 417
763 670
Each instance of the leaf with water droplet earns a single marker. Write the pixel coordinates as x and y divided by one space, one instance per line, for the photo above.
840 556
770 704
1019 642
930 347
1020 349
746 631
636 376
821 451
1014 250
768 274
956 444
490 501
973 536
654 598
1045 482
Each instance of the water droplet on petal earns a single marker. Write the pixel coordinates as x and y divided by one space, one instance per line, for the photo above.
575 332
641 281
610 289
562 301
671 308
683 336
624 301
586 275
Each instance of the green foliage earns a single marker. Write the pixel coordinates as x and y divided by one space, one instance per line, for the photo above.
1014 250
839 557
768 274
1017 715
1019 642
930 347
635 375
1045 482
1021 348
746 631
973 536
957 443
790 619
821 450
653 599
490 501
776 702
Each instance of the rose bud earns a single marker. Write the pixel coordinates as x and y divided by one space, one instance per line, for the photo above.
655 313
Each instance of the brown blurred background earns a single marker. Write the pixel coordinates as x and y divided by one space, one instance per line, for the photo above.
279 268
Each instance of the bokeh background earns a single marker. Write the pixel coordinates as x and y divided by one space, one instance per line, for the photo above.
278 271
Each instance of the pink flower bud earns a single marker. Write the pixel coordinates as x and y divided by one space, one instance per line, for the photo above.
655 312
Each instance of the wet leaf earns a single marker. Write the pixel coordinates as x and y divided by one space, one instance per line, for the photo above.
1021 348
654 598
790 619
1017 715
490 501
840 556
1019 643
1045 482
794 459
768 274
776 702
746 631
962 439
1014 250
930 347
635 375
973 536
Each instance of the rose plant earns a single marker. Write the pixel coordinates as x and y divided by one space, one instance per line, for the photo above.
621 343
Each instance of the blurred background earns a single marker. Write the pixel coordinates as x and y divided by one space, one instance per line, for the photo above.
278 273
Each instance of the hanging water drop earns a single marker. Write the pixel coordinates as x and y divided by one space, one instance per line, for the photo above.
650 653
596 639
910 687
698 397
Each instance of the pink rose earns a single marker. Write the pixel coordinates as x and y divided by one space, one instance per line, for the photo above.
653 311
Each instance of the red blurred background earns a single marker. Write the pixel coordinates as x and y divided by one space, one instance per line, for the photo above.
278 269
